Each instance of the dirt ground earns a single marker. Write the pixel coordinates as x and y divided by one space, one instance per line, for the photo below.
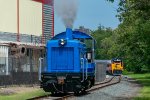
16 89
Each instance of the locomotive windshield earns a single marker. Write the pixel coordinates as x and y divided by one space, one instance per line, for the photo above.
117 61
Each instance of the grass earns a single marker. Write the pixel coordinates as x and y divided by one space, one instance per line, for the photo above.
144 80
125 72
24 95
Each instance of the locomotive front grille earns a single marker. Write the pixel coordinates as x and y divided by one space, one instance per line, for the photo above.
62 58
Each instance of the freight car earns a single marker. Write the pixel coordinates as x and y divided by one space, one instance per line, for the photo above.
70 65
115 67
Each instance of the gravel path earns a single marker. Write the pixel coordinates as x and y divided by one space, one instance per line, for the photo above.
125 90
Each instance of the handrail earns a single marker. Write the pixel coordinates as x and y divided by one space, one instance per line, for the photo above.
82 60
40 68
86 67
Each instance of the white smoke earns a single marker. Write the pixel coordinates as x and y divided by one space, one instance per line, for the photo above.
67 10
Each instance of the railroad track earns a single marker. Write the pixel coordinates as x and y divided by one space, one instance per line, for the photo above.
111 81
105 81
50 97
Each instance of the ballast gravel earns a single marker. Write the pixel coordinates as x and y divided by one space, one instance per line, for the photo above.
125 90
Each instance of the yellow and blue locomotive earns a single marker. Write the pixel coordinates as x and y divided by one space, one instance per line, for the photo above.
115 67
70 65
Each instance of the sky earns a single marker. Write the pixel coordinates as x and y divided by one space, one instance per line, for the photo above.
91 14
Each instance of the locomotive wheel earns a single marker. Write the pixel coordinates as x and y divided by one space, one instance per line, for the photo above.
76 93
83 91
89 84
92 82
46 89
80 91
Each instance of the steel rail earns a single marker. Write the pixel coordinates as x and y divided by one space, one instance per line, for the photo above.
106 84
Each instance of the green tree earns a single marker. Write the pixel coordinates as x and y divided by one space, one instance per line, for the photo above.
100 34
134 34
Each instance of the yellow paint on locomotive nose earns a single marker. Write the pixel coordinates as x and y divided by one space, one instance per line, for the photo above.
117 66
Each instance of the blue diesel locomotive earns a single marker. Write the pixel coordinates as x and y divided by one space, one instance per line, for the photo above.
70 63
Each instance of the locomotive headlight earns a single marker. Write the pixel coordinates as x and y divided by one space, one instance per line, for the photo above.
62 42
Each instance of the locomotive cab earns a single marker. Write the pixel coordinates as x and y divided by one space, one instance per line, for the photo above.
69 64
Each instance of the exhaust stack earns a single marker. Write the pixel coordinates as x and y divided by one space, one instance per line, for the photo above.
69 33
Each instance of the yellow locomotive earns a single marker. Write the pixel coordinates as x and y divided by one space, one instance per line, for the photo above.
115 67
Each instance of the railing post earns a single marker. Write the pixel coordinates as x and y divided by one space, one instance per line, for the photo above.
82 60
86 67
40 68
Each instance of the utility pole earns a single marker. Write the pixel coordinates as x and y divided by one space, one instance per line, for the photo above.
18 22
